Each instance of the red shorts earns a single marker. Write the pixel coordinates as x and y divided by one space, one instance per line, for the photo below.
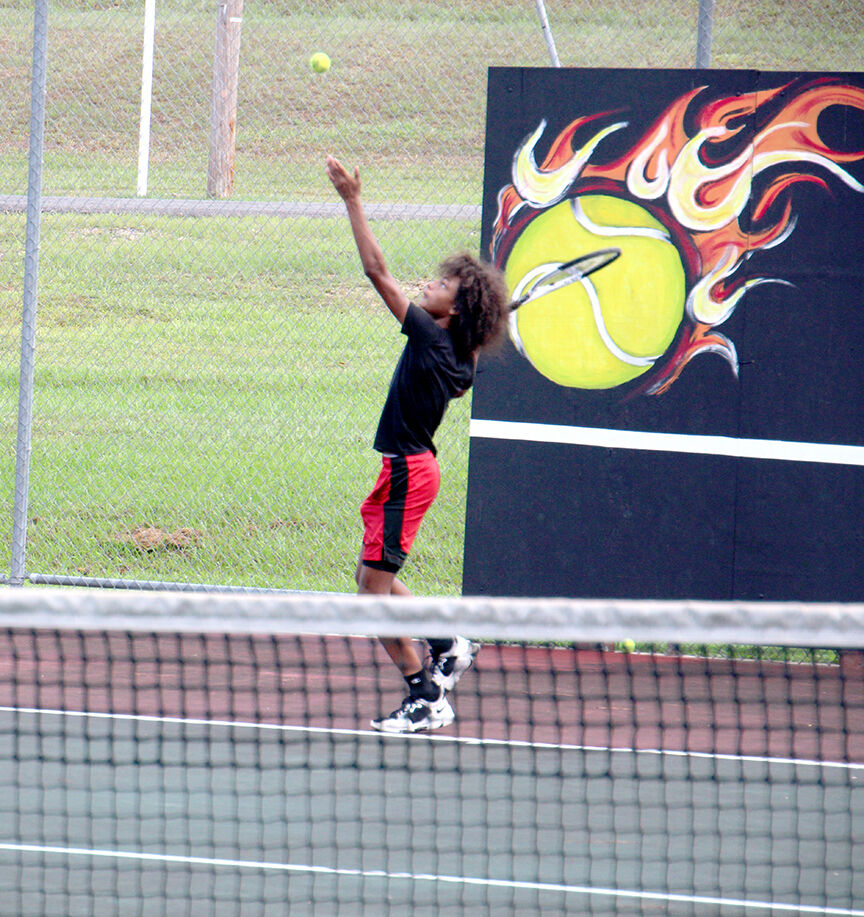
392 513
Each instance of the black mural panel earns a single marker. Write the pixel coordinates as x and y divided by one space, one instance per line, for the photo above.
702 390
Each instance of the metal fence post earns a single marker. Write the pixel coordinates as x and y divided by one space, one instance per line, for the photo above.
28 318
547 33
146 95
704 32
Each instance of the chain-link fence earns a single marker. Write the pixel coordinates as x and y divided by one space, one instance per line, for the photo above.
210 361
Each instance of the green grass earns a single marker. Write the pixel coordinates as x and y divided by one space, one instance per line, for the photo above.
780 654
405 96
418 131
236 403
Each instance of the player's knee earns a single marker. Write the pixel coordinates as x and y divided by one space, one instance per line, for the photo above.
373 581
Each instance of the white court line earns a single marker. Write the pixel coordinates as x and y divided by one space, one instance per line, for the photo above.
728 446
773 907
424 737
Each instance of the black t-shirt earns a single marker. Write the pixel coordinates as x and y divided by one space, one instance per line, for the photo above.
427 376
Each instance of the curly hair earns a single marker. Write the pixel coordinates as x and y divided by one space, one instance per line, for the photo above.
482 303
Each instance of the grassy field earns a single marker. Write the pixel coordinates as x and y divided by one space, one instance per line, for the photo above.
233 413
207 388
420 133
405 96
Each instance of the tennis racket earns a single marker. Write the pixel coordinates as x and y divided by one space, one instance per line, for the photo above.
569 272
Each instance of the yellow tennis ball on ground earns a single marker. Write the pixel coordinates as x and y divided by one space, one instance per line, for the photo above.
612 326
319 62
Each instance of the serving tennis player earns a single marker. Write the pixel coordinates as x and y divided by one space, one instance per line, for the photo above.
457 315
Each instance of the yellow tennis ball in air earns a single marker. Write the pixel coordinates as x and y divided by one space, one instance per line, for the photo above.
319 62
628 646
612 326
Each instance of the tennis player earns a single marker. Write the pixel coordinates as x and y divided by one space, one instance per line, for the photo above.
456 315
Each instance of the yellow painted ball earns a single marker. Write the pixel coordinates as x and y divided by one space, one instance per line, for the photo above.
612 326
319 62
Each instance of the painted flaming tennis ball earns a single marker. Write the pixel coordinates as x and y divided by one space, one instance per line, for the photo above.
612 326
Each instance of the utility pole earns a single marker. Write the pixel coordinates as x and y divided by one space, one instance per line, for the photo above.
223 112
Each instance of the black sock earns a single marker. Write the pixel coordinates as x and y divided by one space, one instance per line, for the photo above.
421 685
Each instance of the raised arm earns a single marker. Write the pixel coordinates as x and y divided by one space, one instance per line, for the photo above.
371 256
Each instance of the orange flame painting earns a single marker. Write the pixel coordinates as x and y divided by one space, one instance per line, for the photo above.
711 179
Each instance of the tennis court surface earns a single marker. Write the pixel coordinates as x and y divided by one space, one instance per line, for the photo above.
182 754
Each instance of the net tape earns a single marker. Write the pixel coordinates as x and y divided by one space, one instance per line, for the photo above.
517 619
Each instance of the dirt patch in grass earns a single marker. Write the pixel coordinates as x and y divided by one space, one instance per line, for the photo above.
149 538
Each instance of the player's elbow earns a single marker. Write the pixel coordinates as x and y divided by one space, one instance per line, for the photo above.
375 270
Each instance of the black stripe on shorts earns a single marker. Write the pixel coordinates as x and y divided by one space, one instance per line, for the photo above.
394 511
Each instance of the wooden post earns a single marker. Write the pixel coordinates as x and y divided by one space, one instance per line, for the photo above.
223 113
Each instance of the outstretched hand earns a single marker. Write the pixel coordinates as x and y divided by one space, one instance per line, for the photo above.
371 256
346 185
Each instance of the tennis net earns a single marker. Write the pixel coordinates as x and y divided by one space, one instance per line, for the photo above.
211 755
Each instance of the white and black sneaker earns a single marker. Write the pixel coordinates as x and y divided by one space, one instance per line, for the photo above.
448 667
416 714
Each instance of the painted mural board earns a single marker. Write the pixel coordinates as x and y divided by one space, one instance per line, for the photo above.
686 420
